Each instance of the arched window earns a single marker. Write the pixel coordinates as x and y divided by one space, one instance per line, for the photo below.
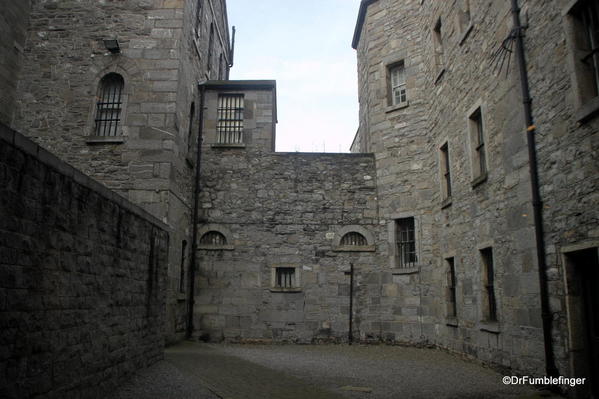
213 238
109 105
353 239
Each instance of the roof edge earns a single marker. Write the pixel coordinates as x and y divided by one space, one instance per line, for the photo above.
240 84
360 22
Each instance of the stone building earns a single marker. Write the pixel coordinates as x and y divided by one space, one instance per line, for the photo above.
445 121
111 88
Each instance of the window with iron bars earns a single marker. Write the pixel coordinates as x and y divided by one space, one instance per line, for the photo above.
405 238
353 239
285 277
229 127
213 238
109 105
490 312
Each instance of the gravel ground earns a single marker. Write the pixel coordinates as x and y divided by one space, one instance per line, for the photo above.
208 371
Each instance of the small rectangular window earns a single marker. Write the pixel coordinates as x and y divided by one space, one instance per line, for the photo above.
445 171
229 127
451 288
479 154
405 241
490 304
182 269
285 277
397 84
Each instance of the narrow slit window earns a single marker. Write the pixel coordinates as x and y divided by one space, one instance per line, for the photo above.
490 311
405 242
445 171
109 105
230 119
451 288
210 48
198 22
480 155
438 44
182 269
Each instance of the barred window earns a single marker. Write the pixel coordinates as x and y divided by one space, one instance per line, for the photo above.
109 105
230 119
213 238
490 311
285 277
397 82
405 242
353 239
451 288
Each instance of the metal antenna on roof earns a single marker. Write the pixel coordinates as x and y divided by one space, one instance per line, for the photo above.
504 53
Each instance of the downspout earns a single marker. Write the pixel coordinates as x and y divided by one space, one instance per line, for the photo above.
537 205
194 216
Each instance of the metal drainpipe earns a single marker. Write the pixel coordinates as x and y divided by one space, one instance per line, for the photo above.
550 367
194 217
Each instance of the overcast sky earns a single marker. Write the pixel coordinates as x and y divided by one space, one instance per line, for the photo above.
306 47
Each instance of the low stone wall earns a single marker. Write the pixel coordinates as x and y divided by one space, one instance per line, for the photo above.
82 279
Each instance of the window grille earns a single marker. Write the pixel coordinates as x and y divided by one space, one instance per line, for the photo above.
405 242
285 277
398 84
230 119
477 121
109 105
451 285
446 170
353 239
589 14
213 238
487 257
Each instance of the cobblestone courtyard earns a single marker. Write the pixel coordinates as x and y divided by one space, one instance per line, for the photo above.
206 371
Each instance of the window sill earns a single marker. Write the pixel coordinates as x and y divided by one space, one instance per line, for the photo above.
105 139
181 297
216 247
465 34
451 322
407 270
446 203
355 248
439 76
396 107
227 145
490 327
587 111
479 180
297 289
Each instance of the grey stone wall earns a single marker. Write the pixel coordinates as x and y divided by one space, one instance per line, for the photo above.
285 209
82 293
14 20
496 212
162 59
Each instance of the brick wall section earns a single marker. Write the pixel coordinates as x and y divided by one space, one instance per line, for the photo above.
14 20
83 279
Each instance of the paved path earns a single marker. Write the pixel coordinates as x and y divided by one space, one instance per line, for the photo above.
206 371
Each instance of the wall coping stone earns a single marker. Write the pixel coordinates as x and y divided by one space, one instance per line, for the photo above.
29 147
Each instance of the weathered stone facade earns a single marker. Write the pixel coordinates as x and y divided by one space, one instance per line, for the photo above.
166 48
446 51
82 279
